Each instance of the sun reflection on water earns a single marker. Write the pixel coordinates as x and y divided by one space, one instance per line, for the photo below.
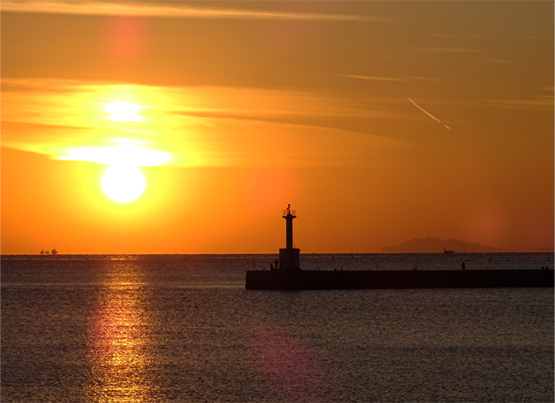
118 340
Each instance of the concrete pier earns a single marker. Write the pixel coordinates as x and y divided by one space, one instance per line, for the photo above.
381 279
289 275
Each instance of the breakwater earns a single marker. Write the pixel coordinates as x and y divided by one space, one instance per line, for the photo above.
391 279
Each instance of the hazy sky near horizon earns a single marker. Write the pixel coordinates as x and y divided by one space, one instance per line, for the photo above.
378 121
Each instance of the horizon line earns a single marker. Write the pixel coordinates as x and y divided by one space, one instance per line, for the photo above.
540 250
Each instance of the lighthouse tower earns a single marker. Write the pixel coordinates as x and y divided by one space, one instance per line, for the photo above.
289 256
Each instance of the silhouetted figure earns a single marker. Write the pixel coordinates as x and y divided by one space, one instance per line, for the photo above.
276 264
271 266
462 265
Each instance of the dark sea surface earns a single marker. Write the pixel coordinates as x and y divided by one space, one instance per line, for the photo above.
161 328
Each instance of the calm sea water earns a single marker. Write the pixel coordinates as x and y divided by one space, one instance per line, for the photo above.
183 328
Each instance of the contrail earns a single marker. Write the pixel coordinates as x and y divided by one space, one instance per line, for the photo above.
428 113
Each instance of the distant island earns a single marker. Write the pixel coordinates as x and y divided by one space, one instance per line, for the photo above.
437 245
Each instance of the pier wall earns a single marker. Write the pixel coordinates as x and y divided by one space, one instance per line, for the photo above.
375 279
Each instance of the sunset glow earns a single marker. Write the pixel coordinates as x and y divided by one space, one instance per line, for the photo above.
122 154
378 121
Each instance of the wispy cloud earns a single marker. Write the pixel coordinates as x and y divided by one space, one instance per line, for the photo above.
195 126
383 78
543 103
173 10
451 36
371 78
445 50
500 61
420 78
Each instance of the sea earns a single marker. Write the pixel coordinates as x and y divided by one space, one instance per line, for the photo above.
183 328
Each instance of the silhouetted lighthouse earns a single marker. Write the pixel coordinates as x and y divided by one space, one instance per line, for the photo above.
289 257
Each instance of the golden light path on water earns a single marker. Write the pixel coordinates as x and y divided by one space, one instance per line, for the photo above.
118 340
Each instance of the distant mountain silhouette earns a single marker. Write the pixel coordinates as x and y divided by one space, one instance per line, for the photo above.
432 245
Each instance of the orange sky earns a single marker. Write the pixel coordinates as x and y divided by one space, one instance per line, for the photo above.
378 121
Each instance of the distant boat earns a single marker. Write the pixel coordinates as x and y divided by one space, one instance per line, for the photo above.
448 251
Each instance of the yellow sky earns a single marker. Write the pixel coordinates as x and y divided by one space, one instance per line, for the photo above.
378 121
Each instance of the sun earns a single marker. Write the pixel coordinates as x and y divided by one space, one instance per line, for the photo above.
124 111
123 183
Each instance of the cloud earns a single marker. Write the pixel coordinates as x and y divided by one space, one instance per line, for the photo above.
418 78
194 126
459 36
543 103
371 78
382 78
445 50
500 61
173 10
